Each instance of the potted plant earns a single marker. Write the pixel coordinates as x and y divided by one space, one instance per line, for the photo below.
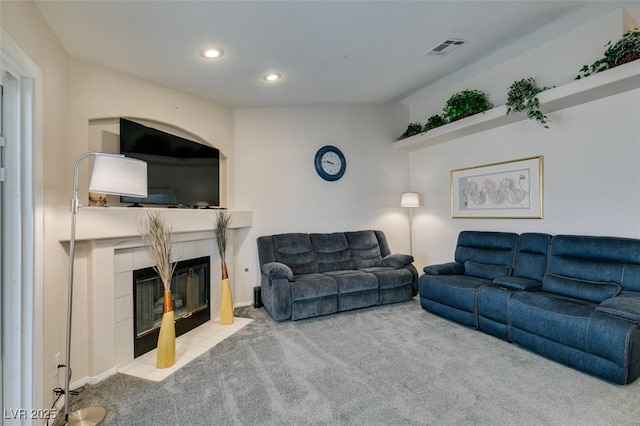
158 236
625 50
466 103
523 96
434 121
413 128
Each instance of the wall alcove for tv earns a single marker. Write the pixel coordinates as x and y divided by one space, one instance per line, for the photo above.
104 136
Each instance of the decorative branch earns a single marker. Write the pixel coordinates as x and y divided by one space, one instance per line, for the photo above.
223 220
158 236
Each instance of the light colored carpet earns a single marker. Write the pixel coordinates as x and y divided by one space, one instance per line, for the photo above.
387 365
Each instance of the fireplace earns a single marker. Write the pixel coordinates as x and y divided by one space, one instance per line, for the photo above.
190 292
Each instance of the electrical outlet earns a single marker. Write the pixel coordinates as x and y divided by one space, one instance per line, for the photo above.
56 363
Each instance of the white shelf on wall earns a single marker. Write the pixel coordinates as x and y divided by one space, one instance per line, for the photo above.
98 223
611 82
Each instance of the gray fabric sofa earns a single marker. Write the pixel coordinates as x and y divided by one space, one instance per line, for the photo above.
573 299
307 275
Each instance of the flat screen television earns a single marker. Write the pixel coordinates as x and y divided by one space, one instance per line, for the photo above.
180 172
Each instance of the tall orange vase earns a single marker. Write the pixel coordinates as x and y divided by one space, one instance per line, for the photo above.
226 300
167 337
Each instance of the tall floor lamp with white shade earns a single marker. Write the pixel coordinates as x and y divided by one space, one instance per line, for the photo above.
116 175
410 200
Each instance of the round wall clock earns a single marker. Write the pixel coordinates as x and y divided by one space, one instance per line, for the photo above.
330 163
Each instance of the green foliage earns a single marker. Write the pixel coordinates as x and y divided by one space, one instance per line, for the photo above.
465 103
523 96
434 121
412 129
625 50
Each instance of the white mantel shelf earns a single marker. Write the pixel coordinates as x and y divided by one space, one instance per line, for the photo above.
98 223
611 82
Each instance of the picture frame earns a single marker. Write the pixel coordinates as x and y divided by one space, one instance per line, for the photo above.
506 190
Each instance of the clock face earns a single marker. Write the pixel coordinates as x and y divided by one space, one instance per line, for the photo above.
330 163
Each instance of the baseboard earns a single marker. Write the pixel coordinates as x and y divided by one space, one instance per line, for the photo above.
58 407
92 380
242 304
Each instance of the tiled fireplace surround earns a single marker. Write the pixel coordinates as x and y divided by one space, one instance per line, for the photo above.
127 260
114 250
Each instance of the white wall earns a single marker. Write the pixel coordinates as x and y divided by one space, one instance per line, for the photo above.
591 153
274 176
551 62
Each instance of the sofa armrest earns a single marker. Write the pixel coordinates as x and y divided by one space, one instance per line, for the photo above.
624 305
451 268
518 283
277 270
397 260
276 297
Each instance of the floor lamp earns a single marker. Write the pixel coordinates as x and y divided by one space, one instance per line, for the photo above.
112 174
410 200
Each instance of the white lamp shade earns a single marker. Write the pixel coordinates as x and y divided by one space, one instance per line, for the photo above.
410 199
119 175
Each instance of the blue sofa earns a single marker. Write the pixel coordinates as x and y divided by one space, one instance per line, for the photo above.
573 299
307 275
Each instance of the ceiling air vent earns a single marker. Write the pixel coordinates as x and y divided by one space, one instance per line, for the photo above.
447 46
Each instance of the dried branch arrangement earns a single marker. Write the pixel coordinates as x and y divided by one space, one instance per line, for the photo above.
223 220
158 236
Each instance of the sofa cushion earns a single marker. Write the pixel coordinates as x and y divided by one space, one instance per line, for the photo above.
457 291
390 277
591 291
604 259
312 286
497 248
531 258
295 251
354 281
485 270
553 317
331 251
625 305
365 251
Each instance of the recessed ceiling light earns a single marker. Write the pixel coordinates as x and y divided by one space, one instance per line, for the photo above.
211 53
271 77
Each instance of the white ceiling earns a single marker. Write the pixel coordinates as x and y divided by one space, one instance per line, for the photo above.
327 51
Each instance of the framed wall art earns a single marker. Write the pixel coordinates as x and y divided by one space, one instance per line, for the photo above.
510 189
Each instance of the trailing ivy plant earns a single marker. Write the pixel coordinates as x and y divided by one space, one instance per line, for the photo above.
523 96
413 128
434 121
465 103
625 50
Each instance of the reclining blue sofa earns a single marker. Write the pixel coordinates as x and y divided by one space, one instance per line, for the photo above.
307 275
573 299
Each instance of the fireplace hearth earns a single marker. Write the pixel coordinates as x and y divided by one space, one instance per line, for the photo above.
190 292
